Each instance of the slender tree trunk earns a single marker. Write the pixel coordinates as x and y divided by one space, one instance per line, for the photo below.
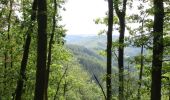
9 18
22 77
9 28
109 50
100 86
6 56
5 70
141 63
58 85
21 80
41 50
65 89
121 59
140 74
121 16
157 50
49 50
128 83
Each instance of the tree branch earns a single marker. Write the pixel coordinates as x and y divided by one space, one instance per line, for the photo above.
99 85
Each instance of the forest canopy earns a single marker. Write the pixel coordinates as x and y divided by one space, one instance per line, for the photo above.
40 61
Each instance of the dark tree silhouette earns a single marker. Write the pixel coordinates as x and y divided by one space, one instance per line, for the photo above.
157 50
109 50
49 50
21 80
121 15
41 50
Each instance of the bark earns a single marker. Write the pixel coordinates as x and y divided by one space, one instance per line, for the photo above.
157 50
41 50
140 74
109 51
121 62
49 50
121 16
22 77
21 80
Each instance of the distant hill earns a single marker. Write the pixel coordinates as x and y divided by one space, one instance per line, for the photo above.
97 43
90 42
86 50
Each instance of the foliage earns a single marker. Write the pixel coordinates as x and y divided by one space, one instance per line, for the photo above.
75 61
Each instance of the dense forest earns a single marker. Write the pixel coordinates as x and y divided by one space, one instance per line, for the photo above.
39 61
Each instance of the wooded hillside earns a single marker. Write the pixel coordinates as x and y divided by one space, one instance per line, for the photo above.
128 60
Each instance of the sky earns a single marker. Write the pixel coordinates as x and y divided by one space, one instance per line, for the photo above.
80 14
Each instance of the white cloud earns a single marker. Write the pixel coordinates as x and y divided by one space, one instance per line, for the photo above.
79 16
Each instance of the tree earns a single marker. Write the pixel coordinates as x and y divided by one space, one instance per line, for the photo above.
8 38
49 50
109 50
41 50
157 57
121 15
22 77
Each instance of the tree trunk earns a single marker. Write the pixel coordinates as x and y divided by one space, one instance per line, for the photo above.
140 74
21 80
9 28
6 56
41 50
121 16
49 50
109 50
100 86
157 50
121 58
65 89
58 84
